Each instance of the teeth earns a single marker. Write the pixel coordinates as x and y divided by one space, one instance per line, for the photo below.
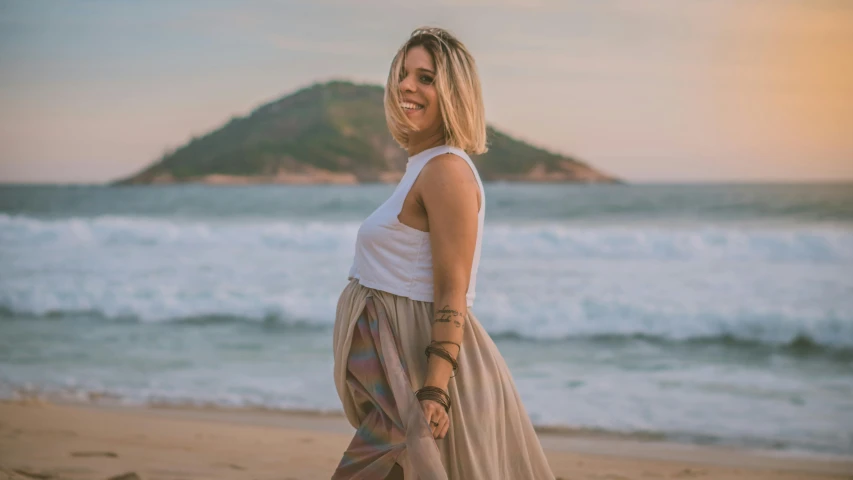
411 106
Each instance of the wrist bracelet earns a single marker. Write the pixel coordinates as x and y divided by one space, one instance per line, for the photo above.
437 349
435 394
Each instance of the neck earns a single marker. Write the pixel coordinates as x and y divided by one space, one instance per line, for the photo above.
419 142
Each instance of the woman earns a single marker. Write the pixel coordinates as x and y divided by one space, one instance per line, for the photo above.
403 325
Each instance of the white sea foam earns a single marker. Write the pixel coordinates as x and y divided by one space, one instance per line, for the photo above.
536 281
806 244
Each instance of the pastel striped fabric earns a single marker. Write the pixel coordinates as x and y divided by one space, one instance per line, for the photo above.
380 439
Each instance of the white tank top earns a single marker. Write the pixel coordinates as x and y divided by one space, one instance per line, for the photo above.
396 258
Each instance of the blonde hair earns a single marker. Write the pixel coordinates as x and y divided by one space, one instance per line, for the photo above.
460 97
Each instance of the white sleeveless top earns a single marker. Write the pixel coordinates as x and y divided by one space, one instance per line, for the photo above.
396 258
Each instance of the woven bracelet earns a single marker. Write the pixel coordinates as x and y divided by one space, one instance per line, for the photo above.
447 341
443 353
435 394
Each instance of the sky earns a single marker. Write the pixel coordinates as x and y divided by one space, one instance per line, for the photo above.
650 91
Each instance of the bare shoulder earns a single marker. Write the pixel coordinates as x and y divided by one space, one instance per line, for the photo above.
448 169
448 177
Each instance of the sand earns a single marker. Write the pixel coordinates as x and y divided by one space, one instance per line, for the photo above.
41 440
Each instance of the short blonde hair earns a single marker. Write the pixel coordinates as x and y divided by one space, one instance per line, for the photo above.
460 97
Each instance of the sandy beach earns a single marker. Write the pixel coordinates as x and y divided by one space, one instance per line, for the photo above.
48 441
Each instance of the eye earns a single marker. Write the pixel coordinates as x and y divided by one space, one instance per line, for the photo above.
426 79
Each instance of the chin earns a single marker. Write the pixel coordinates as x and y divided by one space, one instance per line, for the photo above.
424 127
421 126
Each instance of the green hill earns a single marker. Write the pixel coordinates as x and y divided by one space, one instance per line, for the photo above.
335 133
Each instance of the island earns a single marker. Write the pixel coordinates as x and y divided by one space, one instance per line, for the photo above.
335 133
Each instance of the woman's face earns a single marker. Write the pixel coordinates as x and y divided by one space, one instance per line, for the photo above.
419 96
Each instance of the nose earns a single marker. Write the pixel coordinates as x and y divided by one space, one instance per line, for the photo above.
407 84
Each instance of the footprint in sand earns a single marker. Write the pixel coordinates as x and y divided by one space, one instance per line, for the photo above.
26 473
690 473
95 454
126 476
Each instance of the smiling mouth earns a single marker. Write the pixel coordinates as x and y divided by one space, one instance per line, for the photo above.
411 106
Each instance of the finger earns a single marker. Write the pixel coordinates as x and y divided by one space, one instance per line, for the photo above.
428 414
434 424
442 421
437 425
445 428
440 428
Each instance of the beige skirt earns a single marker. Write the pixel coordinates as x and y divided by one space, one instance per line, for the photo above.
379 342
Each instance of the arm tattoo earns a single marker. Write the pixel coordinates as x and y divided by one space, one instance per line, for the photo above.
447 315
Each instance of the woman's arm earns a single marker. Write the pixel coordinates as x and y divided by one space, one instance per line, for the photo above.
451 198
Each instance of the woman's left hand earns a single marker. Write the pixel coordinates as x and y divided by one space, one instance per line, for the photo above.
439 421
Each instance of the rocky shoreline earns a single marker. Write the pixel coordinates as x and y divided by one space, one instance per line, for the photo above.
316 176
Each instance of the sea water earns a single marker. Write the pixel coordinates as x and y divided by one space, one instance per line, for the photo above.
699 313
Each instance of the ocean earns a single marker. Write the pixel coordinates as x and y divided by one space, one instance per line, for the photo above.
718 314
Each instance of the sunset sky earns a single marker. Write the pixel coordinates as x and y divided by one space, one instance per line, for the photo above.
660 91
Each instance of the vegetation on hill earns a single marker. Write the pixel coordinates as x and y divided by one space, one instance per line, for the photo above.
335 132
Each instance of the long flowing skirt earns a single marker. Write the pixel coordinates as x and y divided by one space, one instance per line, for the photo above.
379 342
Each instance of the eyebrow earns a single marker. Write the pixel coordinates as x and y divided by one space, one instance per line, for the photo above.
422 69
